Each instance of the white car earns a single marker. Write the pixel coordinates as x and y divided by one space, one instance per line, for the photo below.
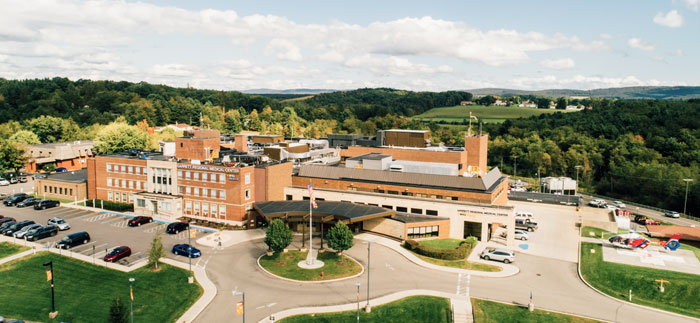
4 182
499 254
521 235
526 215
619 204
21 232
60 223
672 214
597 203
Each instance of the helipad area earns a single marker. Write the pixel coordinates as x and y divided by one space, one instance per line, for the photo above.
654 257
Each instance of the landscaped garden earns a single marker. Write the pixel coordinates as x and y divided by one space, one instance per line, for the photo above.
418 309
616 280
285 265
494 312
9 249
448 253
85 292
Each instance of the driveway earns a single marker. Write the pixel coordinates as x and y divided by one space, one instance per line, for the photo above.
557 234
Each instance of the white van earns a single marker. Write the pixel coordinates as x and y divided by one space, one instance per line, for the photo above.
525 215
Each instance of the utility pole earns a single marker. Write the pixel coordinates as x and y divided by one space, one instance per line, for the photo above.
685 204
368 308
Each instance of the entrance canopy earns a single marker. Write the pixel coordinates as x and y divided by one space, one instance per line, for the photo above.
345 212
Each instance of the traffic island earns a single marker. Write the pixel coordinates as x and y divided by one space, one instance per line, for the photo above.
448 253
285 265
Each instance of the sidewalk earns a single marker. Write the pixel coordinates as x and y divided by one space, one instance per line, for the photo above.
230 238
507 270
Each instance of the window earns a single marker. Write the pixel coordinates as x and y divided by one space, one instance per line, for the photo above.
222 178
166 206
401 209
179 174
124 199
222 194
222 210
188 206
131 198
188 190
117 196
187 175
247 194
379 191
205 192
109 196
60 190
352 188
123 181
393 192
247 178
179 190
131 184
123 168
109 167
212 177
213 210
423 232
44 188
205 208
196 208
287 197
71 192
454 198
416 211
141 203
431 212
131 169
388 207
196 176
196 191
109 182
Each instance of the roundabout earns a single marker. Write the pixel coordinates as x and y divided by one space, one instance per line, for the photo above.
292 266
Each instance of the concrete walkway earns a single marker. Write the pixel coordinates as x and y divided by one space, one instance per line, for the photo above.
16 256
200 275
461 310
507 270
375 302
230 238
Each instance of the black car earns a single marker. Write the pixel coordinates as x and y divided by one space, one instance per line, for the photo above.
41 233
176 227
73 240
16 227
45 204
6 223
27 202
14 199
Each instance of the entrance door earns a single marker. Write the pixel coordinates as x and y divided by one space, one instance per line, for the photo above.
155 207
472 229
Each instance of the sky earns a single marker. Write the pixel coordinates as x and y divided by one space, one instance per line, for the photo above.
414 45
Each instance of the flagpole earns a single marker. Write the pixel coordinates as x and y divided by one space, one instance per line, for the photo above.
311 248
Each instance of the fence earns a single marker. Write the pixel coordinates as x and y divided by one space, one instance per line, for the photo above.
545 198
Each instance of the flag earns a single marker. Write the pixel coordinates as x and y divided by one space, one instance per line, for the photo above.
131 293
311 191
239 308
313 203
48 276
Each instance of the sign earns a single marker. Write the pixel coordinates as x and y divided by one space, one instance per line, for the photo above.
475 212
193 233
232 178
239 308
48 275
209 168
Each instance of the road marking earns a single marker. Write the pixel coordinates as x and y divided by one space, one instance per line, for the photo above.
389 266
206 262
459 284
271 304
260 307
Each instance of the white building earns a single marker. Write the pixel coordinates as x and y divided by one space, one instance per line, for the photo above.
557 185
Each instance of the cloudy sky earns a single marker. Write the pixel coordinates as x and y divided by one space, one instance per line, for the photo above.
417 45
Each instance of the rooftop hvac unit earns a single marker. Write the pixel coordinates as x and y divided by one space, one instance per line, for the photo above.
396 168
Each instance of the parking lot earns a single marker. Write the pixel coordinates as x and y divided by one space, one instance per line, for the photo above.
107 231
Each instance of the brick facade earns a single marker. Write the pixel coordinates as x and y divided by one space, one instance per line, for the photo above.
48 188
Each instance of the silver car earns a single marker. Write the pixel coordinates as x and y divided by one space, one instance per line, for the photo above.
505 255
521 235
20 234
60 223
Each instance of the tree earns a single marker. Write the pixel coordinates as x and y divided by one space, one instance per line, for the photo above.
278 235
156 251
49 167
119 136
561 103
52 129
340 237
542 103
118 312
25 137
11 156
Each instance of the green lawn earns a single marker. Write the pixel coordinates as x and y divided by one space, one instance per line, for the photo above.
443 244
9 249
84 292
494 312
484 113
598 233
285 265
452 244
616 279
418 309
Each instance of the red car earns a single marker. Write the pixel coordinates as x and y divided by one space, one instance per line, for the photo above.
139 220
118 253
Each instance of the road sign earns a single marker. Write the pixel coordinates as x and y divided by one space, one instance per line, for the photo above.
239 308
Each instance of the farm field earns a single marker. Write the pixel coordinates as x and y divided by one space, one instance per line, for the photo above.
486 114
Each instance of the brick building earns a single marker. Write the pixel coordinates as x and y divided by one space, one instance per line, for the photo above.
70 185
69 155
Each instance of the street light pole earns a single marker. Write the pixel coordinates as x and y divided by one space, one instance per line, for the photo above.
685 204
358 301
53 304
242 294
131 296
190 279
368 308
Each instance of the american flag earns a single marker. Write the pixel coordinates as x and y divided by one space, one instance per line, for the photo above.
311 196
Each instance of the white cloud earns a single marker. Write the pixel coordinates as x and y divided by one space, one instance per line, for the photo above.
584 82
692 4
175 70
639 44
559 64
606 36
284 49
679 52
394 65
671 19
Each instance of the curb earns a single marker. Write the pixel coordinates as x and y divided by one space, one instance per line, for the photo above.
315 281
623 302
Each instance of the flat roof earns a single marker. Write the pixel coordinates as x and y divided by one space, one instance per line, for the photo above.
62 144
413 218
340 210
73 176
407 130
370 156
150 156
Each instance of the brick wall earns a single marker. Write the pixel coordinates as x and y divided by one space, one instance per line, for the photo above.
194 148
61 190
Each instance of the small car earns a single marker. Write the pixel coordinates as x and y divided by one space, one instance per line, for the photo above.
60 223
61 170
186 250
521 235
139 220
500 254
176 227
14 180
619 204
4 182
7 219
27 202
41 232
597 203
23 179
73 240
9 231
45 204
20 234
14 199
672 214
117 253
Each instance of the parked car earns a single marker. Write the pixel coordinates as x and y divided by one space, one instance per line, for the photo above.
672 214
13 180
7 219
4 182
598 203
139 220
521 235
20 234
619 204
14 199
38 176
500 254
526 215
176 227
61 170
27 202
41 232
9 231
7 224
525 224
117 253
186 250
45 204
60 223
73 240
23 179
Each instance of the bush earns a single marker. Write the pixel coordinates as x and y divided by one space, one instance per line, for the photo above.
118 312
460 253
340 237
156 252
112 206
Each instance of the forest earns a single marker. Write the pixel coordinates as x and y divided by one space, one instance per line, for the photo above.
640 150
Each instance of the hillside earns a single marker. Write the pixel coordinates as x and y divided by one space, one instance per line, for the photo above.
486 114
628 93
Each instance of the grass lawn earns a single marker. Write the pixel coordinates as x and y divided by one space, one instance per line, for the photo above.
443 244
484 113
598 233
9 249
494 312
84 292
452 244
285 265
418 309
616 279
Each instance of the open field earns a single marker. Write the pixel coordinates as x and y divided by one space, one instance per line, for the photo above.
494 312
617 279
417 309
484 113
8 249
285 265
84 292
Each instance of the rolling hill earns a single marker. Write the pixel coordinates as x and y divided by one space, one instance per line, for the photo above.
629 93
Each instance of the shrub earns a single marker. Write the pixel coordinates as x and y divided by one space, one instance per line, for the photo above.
118 312
278 235
112 206
340 237
460 253
156 251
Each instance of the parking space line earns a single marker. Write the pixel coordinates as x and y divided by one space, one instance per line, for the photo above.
75 249
72 216
119 224
116 219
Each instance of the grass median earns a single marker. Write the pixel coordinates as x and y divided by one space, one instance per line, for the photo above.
418 309
84 292
449 244
616 280
494 312
8 249
334 266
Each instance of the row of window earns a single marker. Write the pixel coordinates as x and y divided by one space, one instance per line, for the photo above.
126 169
289 197
202 176
123 183
121 197
201 191
205 209
58 190
423 232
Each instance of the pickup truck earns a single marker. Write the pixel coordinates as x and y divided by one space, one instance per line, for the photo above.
525 224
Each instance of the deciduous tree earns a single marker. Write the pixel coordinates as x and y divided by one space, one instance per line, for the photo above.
340 238
278 235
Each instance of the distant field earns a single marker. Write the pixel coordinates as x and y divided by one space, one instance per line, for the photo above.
484 113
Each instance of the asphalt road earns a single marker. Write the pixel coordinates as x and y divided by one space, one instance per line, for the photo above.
659 216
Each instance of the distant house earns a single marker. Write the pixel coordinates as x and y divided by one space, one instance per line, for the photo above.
177 127
527 104
501 103
465 103
573 107
69 155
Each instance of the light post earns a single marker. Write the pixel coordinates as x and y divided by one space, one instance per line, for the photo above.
50 277
190 279
358 301
687 182
242 294
368 308
131 296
